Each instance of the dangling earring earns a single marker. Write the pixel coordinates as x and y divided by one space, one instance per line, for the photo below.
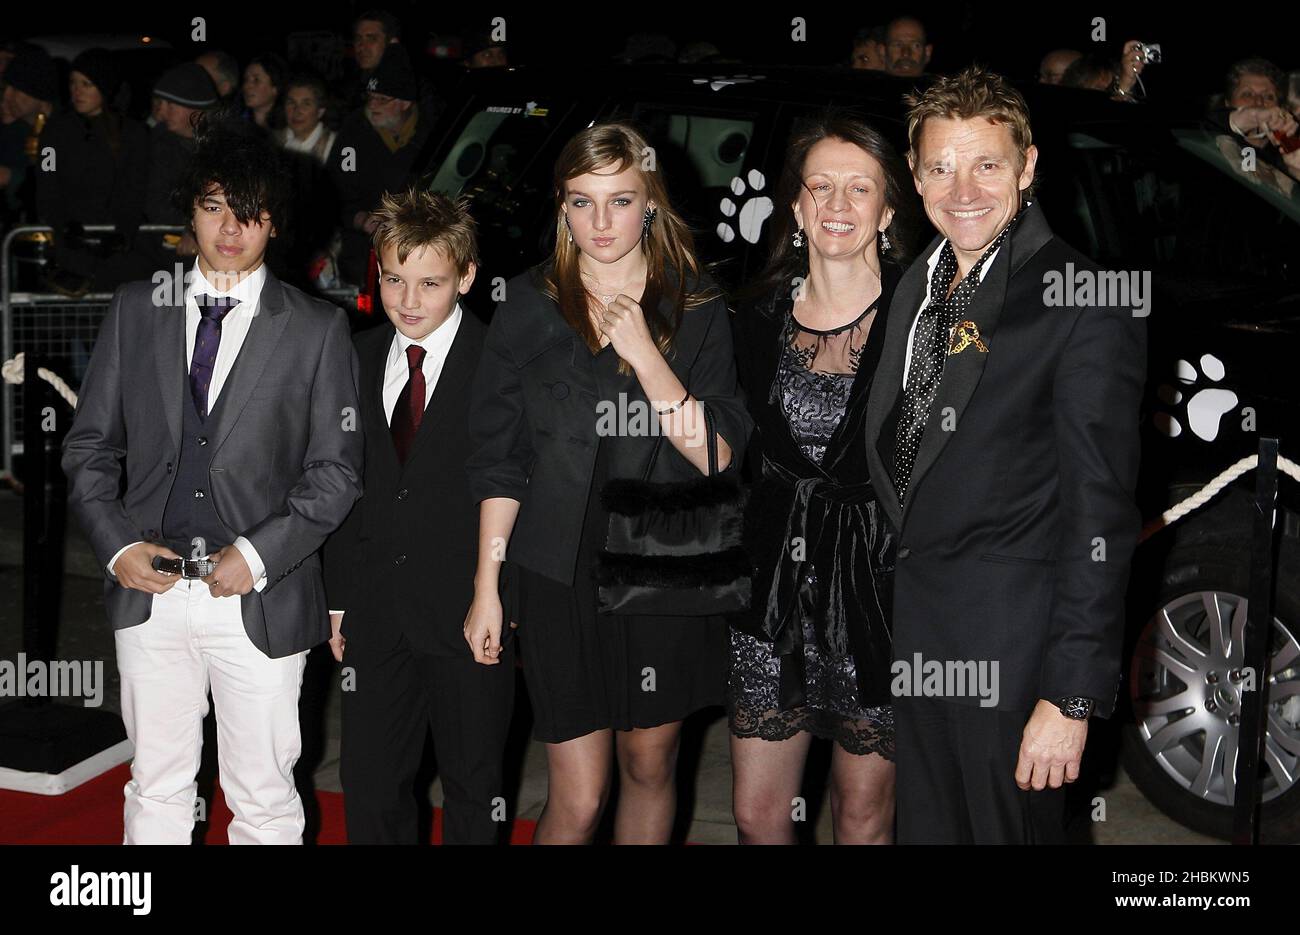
797 239
568 229
884 241
647 220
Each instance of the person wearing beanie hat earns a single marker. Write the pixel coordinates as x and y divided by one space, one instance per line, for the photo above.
387 136
99 70
99 176
180 95
32 86
187 85
480 50
29 97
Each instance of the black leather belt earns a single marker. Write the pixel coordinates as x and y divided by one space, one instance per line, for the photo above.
185 567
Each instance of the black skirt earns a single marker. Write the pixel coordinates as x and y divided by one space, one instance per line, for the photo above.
587 671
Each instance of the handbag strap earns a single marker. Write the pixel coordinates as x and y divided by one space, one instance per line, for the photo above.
712 441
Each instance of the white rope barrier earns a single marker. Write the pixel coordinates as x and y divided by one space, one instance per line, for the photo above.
12 371
1211 490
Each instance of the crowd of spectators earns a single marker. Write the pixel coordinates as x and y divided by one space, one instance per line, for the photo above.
72 158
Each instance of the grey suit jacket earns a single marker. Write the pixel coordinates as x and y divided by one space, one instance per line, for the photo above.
287 462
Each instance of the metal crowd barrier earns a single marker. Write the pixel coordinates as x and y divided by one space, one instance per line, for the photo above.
61 329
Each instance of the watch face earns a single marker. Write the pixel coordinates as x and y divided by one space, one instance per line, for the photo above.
1077 708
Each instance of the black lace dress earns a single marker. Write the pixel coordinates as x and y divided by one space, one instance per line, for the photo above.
812 387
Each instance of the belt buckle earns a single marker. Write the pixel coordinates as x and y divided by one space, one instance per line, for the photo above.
197 567
185 567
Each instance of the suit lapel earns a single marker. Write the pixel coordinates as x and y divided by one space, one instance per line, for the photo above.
448 394
961 372
172 367
263 335
888 380
374 364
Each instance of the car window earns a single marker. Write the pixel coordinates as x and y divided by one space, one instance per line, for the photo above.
1181 209
501 159
1262 180
493 150
703 155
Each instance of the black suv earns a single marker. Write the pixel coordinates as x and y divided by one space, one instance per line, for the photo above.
1136 188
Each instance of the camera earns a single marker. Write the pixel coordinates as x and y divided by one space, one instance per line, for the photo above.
1150 52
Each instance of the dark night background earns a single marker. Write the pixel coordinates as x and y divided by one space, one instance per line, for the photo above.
1011 38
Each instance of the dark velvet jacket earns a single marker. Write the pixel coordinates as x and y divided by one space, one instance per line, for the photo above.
537 402
839 578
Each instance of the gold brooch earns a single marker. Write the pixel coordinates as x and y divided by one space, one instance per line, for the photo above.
964 334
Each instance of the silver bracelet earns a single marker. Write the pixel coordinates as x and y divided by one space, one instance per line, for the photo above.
671 409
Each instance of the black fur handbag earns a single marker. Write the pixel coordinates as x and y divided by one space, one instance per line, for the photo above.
675 548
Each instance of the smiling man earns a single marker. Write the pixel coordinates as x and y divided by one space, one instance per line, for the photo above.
231 417
1003 441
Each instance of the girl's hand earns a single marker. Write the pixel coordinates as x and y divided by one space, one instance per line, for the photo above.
483 629
624 324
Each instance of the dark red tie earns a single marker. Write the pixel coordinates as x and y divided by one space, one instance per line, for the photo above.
409 409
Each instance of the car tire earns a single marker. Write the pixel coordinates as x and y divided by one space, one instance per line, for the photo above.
1190 574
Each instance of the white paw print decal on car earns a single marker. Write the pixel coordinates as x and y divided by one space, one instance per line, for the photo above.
1206 405
748 217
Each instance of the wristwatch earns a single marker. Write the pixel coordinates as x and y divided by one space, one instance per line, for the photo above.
1075 707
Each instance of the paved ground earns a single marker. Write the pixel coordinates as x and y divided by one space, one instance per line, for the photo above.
705 773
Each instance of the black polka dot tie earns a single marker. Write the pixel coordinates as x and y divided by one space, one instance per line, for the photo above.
930 351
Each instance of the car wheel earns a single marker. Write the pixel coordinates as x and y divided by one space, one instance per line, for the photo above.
1185 689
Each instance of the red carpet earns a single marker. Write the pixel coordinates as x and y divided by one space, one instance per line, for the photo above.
92 814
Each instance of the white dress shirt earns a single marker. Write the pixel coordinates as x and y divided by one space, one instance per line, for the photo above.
397 370
319 142
234 328
929 275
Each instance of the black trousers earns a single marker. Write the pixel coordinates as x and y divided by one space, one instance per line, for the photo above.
399 695
955 778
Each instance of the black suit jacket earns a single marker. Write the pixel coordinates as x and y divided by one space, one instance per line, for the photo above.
403 562
1009 510
537 407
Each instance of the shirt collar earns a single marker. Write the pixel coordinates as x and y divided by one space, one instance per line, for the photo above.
292 143
933 261
246 291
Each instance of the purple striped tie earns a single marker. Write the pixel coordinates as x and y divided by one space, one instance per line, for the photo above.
206 342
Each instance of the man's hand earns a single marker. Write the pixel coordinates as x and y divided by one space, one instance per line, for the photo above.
231 576
337 642
1051 748
134 569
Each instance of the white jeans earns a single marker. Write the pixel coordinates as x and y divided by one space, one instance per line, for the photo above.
191 642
